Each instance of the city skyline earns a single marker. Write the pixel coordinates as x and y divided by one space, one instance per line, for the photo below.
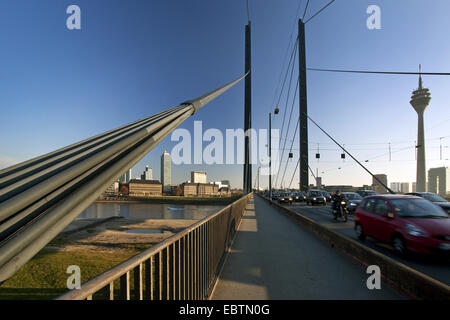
134 77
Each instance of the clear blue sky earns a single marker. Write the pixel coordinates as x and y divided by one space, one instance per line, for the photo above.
134 58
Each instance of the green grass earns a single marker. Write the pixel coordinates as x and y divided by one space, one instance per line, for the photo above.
44 277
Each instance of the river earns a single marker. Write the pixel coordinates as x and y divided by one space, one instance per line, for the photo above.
101 210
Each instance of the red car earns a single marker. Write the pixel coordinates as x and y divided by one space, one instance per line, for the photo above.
409 223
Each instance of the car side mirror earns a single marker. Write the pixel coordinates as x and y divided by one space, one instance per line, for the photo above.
390 215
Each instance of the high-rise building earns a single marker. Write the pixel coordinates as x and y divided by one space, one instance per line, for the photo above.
198 177
377 186
166 171
395 186
147 175
439 180
420 100
402 187
413 187
126 177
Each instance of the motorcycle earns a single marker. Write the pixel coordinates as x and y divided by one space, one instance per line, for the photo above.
340 210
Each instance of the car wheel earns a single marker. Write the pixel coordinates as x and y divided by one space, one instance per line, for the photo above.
399 245
359 232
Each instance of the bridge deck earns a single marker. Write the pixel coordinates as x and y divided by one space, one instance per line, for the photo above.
272 257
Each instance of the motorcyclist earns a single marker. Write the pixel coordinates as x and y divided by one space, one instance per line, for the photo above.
337 198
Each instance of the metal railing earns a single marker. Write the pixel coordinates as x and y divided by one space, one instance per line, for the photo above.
182 267
41 196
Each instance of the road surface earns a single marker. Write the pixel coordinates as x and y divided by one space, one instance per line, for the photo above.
438 269
274 258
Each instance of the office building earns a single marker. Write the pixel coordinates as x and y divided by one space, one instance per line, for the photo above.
126 177
145 188
413 186
404 187
395 186
198 177
439 180
200 189
378 187
401 187
112 189
147 175
189 189
166 171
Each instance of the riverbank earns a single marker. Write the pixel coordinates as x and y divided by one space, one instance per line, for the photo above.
172 200
92 244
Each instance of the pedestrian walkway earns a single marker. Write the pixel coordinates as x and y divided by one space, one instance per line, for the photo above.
273 257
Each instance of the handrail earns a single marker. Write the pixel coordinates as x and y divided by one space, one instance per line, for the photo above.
203 252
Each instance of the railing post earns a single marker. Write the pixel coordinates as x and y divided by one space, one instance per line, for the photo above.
191 266
138 292
197 263
157 276
164 275
202 242
125 286
148 279
176 270
108 291
183 268
188 287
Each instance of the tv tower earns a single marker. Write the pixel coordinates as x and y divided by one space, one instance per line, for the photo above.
420 100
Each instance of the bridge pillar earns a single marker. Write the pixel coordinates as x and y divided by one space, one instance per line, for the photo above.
247 185
303 166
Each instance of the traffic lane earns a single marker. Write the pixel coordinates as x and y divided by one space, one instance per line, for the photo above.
273 258
435 267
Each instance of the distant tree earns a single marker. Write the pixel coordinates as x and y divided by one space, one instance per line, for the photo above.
123 189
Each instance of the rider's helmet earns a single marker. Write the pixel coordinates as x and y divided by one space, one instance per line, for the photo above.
338 192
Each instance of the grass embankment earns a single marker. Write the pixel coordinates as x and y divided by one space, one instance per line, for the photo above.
45 277
176 200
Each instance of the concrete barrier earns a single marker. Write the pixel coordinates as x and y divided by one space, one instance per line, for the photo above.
410 282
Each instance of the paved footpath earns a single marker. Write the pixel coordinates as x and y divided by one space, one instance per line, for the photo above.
273 257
